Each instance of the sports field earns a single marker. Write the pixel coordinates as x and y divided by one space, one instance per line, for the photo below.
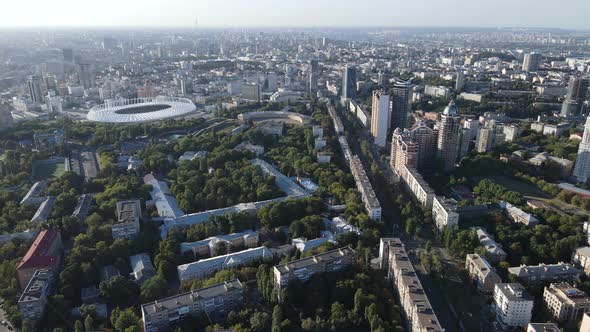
45 169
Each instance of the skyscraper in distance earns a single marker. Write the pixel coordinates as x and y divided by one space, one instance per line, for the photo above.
35 92
448 136
68 55
582 167
86 75
401 105
349 82
460 83
380 117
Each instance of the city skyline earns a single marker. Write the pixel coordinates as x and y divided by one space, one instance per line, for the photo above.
305 13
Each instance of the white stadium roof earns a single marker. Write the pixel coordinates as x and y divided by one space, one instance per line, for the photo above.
140 110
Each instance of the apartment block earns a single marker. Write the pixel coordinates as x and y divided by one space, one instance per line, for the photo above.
230 242
513 305
206 267
517 215
128 217
444 213
581 258
33 300
417 186
565 303
44 253
214 302
413 299
495 251
364 186
545 273
482 273
304 268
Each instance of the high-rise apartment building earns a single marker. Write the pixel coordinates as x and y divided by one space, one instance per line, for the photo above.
582 167
531 62
460 83
426 138
312 77
401 104
380 117
86 75
448 136
577 92
35 92
349 82
68 55
513 305
404 151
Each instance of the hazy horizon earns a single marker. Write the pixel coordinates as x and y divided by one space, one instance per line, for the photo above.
565 14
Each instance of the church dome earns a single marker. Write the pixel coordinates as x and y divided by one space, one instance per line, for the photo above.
451 109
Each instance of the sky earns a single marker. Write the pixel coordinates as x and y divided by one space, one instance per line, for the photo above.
567 14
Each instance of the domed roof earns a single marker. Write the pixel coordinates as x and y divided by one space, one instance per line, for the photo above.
451 109
397 131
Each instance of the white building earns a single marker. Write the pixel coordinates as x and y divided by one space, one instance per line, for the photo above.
380 117
513 305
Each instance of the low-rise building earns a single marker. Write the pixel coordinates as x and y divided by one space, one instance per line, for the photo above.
33 300
44 253
513 305
444 213
108 272
544 273
44 211
206 267
128 220
214 302
35 194
304 245
230 243
415 304
517 215
82 207
142 267
339 225
565 303
304 268
482 273
495 251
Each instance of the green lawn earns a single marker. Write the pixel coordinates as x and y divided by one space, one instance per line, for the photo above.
42 170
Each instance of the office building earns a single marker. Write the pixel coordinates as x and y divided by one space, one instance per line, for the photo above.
448 136
414 302
531 62
142 267
349 82
444 213
213 302
206 267
312 77
380 117
565 303
128 220
545 273
582 166
401 105
513 305
44 253
482 273
33 301
303 269
35 90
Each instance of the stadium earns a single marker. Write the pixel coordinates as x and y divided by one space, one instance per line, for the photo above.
140 110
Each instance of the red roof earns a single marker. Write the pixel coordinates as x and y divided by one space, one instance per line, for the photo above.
38 255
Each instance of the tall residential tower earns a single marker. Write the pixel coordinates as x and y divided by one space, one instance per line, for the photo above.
448 136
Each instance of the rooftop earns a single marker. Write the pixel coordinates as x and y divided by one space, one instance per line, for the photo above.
38 255
514 292
304 262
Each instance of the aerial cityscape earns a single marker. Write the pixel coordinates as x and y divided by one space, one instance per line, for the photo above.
316 175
